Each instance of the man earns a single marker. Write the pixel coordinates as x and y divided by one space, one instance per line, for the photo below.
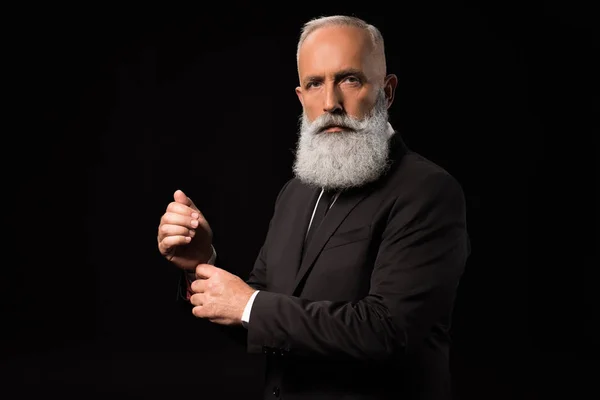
352 292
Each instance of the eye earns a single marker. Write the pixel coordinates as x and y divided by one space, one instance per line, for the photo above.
352 79
312 84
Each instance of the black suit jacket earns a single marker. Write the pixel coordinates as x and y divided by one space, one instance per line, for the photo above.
366 313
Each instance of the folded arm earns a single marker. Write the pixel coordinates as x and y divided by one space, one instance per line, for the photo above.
419 263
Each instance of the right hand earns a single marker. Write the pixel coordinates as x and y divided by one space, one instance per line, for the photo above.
184 236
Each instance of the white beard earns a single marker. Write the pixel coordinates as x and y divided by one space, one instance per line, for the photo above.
346 159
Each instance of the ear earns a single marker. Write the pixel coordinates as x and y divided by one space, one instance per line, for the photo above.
299 94
389 86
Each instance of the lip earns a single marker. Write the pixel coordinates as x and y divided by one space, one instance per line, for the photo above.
332 128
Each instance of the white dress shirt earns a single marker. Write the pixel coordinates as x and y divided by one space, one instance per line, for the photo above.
248 308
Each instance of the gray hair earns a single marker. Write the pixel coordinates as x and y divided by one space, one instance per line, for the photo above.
342 20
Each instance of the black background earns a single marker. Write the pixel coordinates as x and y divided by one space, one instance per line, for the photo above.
112 109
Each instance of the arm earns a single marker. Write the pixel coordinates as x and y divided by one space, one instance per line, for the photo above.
421 258
258 275
191 276
257 279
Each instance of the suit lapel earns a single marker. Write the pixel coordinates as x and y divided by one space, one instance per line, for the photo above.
345 203
306 199
341 208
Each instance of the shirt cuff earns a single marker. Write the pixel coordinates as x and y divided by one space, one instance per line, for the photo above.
247 309
191 275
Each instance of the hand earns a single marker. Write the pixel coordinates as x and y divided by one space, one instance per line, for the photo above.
184 236
219 296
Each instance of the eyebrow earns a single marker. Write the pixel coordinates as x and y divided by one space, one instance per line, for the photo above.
338 75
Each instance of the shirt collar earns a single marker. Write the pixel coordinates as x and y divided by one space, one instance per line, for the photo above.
390 130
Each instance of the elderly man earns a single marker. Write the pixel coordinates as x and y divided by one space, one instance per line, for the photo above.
351 295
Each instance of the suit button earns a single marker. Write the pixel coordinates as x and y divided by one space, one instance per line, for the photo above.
276 391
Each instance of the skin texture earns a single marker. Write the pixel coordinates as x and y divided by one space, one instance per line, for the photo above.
184 238
184 235
340 72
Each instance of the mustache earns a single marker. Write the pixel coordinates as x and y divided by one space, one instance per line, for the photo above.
326 121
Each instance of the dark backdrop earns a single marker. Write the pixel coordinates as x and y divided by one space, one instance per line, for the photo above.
114 109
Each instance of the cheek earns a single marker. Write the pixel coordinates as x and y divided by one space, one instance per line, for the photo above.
312 110
359 107
358 101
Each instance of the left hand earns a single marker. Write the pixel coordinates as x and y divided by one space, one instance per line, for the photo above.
219 296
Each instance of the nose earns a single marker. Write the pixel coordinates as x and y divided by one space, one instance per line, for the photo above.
333 100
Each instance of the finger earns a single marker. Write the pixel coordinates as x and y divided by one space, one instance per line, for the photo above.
196 299
182 198
202 311
170 218
175 230
205 271
198 286
178 208
199 312
169 242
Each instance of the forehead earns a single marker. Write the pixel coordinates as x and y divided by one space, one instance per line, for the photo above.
331 49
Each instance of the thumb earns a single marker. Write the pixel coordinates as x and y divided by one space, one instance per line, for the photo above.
181 198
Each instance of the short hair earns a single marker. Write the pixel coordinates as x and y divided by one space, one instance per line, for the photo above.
343 20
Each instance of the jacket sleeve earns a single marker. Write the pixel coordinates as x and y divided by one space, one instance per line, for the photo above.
419 262
258 275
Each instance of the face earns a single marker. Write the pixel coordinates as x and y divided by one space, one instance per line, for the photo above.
339 75
344 130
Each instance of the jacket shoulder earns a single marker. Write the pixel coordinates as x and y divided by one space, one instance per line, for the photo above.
418 176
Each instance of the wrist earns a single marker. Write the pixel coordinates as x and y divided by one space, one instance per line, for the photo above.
210 259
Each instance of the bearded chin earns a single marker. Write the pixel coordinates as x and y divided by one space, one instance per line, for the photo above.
347 159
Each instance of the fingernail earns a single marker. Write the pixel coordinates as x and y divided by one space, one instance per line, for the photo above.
194 223
195 215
